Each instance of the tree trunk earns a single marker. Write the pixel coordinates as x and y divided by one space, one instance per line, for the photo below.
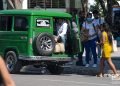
14 4
103 7
109 13
85 6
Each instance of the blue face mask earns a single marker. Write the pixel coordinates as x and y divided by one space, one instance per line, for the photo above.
89 19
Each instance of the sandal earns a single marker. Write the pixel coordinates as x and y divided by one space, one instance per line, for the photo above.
100 75
115 76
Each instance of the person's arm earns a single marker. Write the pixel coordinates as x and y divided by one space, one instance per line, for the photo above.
83 27
7 80
65 26
103 38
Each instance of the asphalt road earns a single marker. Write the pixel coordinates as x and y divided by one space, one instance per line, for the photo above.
63 80
34 77
72 76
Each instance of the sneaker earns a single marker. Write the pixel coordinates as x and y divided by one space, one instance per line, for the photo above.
94 65
87 65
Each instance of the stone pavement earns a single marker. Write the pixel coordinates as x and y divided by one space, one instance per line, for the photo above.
72 68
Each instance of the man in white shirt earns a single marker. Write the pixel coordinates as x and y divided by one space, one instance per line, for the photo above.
62 31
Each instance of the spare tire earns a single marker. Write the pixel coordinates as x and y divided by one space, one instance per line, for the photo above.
45 44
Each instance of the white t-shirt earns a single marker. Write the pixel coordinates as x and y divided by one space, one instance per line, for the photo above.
98 21
63 29
90 28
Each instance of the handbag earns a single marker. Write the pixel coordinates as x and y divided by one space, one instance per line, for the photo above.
59 48
84 35
114 46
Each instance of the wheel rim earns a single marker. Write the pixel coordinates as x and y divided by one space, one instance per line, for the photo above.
45 43
10 61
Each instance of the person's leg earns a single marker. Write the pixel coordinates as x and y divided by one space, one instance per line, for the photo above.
87 51
93 49
80 57
112 66
99 51
102 65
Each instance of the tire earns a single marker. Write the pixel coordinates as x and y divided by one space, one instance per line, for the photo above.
12 62
45 44
55 70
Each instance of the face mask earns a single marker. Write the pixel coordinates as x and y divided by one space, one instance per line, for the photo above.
89 19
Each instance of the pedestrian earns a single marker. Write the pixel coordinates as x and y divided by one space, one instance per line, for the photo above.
74 25
90 43
98 21
80 54
62 31
5 78
106 43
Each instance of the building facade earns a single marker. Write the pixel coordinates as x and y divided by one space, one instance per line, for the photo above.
59 5
62 5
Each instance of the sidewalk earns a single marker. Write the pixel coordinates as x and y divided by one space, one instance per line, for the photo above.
72 68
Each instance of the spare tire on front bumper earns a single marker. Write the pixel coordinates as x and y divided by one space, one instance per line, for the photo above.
45 44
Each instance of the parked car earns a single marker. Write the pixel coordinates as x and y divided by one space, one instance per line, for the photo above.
27 38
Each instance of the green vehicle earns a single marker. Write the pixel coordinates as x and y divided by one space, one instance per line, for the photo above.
27 38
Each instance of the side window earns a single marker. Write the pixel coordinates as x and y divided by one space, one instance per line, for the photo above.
21 24
5 23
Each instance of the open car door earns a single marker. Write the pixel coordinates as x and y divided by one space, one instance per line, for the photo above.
76 43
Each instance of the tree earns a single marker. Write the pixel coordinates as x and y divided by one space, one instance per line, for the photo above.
106 9
96 6
85 6
14 4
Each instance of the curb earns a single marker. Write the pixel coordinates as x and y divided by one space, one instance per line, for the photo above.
73 69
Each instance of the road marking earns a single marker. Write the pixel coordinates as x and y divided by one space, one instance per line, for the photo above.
74 82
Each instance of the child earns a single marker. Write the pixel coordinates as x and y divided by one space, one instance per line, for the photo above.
106 43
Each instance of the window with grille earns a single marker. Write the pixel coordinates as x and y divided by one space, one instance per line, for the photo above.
46 3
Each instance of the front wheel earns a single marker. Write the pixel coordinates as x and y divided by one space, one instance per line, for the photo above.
12 62
55 69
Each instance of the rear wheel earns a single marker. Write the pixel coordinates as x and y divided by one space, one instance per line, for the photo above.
12 62
55 69
45 44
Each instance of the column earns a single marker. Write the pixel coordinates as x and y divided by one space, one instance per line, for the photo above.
25 4
67 3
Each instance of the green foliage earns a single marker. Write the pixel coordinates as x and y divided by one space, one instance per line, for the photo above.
96 6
